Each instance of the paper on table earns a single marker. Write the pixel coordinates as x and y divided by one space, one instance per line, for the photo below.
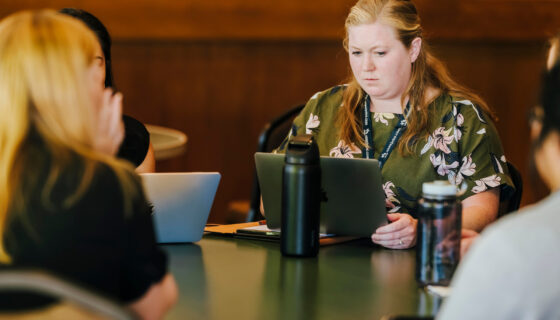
229 228
263 229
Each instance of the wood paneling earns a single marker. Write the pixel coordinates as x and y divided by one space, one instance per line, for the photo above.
490 20
221 95
510 20
219 70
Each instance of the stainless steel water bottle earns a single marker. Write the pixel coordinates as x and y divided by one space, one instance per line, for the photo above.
438 234
301 190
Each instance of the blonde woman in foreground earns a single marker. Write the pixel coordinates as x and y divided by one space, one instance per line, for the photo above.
67 205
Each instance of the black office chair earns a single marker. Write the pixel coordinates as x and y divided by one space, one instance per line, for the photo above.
512 203
88 303
271 137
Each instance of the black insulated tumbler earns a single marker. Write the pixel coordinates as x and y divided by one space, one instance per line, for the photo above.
301 198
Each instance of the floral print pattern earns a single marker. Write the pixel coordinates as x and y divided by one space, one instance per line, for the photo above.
342 150
484 183
440 140
391 202
462 147
382 117
312 124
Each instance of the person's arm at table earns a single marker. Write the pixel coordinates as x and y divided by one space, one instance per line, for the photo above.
481 209
478 211
157 300
149 163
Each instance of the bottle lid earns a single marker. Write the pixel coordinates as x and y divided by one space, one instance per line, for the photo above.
439 188
303 150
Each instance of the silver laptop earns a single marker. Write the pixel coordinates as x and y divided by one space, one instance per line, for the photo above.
182 203
354 199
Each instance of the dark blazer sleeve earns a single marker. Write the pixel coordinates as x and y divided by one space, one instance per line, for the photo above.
145 263
136 141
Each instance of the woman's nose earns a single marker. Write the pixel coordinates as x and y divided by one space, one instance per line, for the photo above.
369 64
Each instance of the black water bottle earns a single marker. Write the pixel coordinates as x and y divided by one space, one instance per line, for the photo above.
301 191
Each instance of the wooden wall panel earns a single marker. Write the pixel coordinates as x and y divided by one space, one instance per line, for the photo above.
510 20
221 95
219 70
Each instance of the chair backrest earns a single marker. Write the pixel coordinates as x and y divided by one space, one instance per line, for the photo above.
49 286
513 202
272 135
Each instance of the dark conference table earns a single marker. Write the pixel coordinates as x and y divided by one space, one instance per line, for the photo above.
229 278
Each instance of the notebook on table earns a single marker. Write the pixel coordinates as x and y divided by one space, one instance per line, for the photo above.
182 203
354 201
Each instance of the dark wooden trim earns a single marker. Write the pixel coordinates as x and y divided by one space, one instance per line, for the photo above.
507 20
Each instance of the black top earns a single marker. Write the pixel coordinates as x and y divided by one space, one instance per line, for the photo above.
136 141
92 243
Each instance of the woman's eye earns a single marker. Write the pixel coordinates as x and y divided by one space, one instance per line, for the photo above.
356 53
380 53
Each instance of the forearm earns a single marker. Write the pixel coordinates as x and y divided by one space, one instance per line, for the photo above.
480 209
157 300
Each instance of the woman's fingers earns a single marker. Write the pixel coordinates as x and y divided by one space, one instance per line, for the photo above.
110 128
402 243
400 234
402 221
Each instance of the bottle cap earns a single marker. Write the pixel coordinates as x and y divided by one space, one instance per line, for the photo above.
439 188
303 150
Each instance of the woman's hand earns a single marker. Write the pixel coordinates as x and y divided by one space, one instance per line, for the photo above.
399 234
467 239
110 128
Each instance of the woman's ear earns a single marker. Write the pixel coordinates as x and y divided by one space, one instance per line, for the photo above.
415 47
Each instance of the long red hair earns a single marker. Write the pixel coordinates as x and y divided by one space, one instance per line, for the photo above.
427 72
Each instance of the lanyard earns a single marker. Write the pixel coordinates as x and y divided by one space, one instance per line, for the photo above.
367 151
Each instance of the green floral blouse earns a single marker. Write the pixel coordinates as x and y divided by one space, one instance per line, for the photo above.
463 146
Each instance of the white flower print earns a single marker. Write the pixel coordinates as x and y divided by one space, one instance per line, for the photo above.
315 95
391 201
442 139
500 169
442 168
460 120
503 159
342 150
382 117
457 130
457 134
481 131
467 169
484 183
439 140
469 103
427 146
312 123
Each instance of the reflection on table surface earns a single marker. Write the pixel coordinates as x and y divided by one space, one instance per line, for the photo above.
227 278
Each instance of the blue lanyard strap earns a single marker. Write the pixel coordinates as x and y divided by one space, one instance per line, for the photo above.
367 151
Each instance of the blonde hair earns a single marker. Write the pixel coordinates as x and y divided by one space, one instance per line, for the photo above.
44 59
427 72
